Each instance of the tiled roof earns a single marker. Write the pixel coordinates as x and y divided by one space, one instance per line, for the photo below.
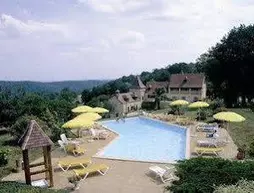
186 80
34 137
138 84
153 85
126 97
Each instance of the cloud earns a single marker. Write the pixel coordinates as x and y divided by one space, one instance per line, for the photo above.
129 39
115 6
13 26
73 39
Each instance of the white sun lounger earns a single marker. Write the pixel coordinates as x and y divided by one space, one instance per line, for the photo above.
164 174
211 143
207 127
99 134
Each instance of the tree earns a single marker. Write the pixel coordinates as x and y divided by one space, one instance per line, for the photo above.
20 126
68 95
86 96
229 65
181 68
158 94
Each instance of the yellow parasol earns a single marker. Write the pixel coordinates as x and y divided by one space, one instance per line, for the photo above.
78 123
179 103
89 116
229 117
99 110
82 109
198 104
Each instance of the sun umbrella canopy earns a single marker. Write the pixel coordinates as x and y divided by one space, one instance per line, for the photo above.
89 116
82 109
78 123
99 110
179 103
198 104
229 117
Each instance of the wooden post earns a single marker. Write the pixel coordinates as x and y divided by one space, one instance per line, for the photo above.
26 166
45 156
50 171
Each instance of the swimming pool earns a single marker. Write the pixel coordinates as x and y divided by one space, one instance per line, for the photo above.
145 139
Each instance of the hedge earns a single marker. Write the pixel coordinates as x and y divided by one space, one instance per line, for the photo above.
15 187
202 175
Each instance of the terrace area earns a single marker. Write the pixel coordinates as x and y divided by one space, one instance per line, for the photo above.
123 176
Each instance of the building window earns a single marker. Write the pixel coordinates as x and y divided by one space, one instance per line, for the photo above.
174 89
195 89
184 98
184 89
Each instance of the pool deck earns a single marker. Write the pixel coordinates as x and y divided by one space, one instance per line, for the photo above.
123 176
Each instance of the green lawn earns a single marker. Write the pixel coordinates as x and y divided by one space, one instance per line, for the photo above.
243 133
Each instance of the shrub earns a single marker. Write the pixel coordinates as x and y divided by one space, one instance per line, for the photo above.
217 103
4 157
176 110
56 131
242 186
252 106
202 114
148 105
201 175
7 187
217 106
251 149
20 126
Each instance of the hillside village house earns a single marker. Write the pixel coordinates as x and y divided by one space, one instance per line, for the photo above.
151 88
130 101
190 87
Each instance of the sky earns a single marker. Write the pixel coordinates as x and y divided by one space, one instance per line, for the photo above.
52 40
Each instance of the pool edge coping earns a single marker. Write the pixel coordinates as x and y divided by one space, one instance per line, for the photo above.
187 147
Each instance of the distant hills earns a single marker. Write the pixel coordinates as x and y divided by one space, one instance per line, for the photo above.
31 86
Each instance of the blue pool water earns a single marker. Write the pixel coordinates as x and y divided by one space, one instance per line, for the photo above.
143 139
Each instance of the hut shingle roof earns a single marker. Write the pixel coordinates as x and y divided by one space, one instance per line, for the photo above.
34 137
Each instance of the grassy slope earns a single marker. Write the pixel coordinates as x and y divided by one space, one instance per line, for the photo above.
243 133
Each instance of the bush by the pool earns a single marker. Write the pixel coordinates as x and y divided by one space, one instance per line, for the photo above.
202 175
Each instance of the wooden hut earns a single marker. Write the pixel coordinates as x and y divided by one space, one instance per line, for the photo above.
34 137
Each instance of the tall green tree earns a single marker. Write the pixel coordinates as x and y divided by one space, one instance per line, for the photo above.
230 65
86 96
158 96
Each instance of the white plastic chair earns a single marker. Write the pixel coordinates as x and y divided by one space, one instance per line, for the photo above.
94 134
61 143
64 139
